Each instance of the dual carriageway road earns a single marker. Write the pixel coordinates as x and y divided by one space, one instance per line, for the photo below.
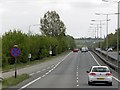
69 72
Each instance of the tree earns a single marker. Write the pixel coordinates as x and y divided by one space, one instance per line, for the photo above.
51 25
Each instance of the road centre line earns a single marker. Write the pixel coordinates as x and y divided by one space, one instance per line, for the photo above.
43 75
100 65
77 78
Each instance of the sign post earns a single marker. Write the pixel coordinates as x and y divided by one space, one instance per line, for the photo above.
29 56
15 52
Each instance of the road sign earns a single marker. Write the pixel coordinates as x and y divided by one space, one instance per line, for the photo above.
50 52
15 52
29 56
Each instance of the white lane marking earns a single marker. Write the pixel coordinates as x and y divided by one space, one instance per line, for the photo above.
100 65
77 72
77 85
32 74
38 71
77 75
77 78
29 83
116 79
94 59
47 73
42 76
77 81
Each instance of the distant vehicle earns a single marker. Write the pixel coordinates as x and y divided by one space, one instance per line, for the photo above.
97 49
99 74
84 49
75 50
110 50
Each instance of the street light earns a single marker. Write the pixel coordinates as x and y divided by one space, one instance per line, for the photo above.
29 33
106 28
100 29
118 2
97 29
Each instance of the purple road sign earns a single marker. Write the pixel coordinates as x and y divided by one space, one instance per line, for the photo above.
15 52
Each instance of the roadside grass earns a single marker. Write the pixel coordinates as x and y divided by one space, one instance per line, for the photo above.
12 81
23 65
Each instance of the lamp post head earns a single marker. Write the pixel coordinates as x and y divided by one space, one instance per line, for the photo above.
105 0
97 13
93 20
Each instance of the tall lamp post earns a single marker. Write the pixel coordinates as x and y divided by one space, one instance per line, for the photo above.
118 26
97 28
29 33
100 29
106 29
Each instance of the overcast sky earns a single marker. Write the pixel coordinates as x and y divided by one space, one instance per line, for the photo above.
76 14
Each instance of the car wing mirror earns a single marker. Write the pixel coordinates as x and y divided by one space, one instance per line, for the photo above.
87 71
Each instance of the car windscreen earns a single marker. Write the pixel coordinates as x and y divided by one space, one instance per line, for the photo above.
100 69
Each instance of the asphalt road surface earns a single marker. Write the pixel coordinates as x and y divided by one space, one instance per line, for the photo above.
70 72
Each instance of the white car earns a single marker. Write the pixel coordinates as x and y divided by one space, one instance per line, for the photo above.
99 74
110 50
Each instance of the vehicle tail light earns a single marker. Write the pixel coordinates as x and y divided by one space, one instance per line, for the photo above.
93 74
108 74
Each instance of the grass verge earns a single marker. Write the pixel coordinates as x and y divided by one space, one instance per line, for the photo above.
23 65
12 81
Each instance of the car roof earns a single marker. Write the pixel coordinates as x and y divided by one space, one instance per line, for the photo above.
99 66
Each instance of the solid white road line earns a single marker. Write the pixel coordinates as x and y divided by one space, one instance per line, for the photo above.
43 75
29 83
100 65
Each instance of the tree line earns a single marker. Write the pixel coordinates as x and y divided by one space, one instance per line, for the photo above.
53 38
112 40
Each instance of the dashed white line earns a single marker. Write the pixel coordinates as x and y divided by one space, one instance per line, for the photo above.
47 73
43 75
77 85
77 80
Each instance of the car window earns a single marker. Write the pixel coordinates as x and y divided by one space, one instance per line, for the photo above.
100 69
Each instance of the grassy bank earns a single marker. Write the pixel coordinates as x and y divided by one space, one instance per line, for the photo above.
22 65
12 81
